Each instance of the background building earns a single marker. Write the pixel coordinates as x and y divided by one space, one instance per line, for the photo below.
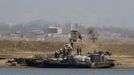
54 30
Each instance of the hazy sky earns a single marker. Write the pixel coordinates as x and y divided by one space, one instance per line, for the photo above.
93 12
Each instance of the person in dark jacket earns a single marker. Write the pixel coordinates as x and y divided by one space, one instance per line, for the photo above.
72 44
79 51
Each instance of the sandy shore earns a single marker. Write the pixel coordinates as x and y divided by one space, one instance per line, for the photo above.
4 64
124 62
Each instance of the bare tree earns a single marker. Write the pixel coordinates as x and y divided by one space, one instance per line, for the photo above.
93 35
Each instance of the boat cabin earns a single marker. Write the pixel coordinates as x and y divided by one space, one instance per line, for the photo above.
75 36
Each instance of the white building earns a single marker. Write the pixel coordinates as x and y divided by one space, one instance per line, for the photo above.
54 30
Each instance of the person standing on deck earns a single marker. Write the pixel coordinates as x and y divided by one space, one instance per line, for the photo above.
79 50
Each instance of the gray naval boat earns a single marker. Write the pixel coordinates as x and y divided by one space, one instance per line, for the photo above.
65 58
92 60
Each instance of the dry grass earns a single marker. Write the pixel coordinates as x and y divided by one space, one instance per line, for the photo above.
123 53
30 45
28 48
117 48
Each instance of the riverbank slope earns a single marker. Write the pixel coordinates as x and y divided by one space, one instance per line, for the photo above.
122 52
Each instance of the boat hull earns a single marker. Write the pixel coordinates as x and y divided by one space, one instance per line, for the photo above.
47 64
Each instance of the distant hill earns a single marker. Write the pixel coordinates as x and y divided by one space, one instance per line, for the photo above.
34 25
